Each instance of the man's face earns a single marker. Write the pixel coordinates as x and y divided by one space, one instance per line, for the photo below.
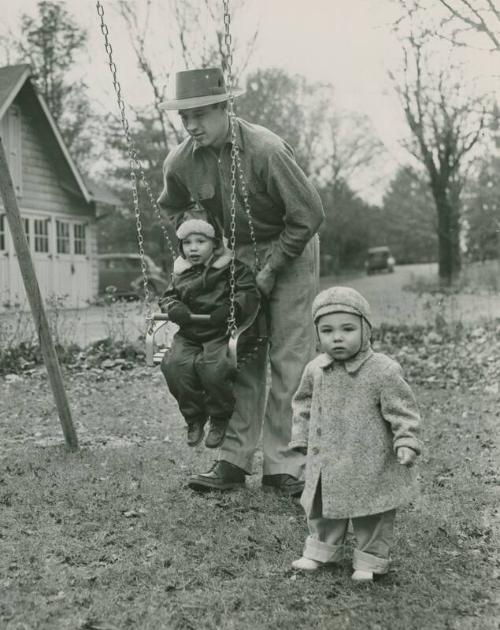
207 125
340 335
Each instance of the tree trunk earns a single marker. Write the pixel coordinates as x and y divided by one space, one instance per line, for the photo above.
448 239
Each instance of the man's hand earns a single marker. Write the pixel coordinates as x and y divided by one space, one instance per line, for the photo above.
179 314
406 456
265 280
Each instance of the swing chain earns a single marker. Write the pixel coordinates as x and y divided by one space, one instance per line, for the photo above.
135 165
236 173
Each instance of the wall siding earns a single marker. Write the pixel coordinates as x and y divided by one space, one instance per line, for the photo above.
43 171
46 178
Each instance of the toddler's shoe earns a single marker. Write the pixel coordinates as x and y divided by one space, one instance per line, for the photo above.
362 576
217 432
195 433
306 564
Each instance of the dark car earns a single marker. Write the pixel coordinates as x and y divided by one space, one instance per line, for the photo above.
379 259
122 274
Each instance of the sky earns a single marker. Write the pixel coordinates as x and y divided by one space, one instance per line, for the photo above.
347 43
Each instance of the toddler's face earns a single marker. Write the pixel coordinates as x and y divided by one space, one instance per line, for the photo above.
197 248
340 335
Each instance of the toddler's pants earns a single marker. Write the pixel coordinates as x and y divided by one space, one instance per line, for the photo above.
373 533
201 378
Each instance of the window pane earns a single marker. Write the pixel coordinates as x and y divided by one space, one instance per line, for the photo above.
27 229
41 229
2 232
79 234
62 233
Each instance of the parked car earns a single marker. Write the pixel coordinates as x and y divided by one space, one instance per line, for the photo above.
122 274
379 259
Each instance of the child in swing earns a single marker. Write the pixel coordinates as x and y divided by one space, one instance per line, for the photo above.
197 370
357 419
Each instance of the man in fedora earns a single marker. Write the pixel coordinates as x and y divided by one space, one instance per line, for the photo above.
286 213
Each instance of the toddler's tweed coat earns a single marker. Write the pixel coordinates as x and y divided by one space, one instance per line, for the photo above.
352 416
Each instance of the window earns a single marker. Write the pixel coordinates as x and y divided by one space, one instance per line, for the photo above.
2 232
79 234
41 230
62 237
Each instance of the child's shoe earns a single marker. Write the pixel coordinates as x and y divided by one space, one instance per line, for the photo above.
195 433
306 564
362 576
217 432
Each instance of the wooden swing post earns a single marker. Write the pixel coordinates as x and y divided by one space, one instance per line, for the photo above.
35 299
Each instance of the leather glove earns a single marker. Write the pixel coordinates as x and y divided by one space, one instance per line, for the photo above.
179 314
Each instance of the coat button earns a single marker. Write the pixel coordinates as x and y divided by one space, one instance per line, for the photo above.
318 431
315 450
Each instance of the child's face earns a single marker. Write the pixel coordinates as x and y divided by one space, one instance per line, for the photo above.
197 248
340 335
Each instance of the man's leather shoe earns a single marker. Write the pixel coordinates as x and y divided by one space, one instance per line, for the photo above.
283 484
222 476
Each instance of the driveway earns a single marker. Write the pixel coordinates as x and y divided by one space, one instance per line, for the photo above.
393 305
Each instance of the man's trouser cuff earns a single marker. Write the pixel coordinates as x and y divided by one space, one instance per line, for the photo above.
244 464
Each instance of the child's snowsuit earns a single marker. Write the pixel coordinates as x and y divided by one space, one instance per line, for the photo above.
198 372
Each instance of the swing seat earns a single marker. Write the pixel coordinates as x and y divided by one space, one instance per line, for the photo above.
240 348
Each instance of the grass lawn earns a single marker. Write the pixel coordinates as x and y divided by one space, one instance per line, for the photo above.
111 537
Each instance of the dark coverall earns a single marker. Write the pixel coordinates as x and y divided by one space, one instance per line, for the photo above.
197 369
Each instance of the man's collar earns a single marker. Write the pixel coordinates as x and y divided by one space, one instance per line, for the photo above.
351 365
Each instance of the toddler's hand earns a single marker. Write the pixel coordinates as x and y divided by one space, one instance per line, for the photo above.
406 456
179 314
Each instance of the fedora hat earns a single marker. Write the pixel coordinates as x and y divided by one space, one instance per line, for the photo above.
197 88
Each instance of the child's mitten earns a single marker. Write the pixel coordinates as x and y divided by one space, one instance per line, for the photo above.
179 314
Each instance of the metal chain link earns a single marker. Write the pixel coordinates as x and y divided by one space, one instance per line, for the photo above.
135 166
236 173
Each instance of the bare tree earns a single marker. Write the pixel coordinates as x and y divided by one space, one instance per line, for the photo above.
350 148
481 16
446 123
196 35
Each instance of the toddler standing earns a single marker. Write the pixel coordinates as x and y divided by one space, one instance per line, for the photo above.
358 419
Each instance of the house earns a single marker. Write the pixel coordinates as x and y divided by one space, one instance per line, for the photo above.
58 206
